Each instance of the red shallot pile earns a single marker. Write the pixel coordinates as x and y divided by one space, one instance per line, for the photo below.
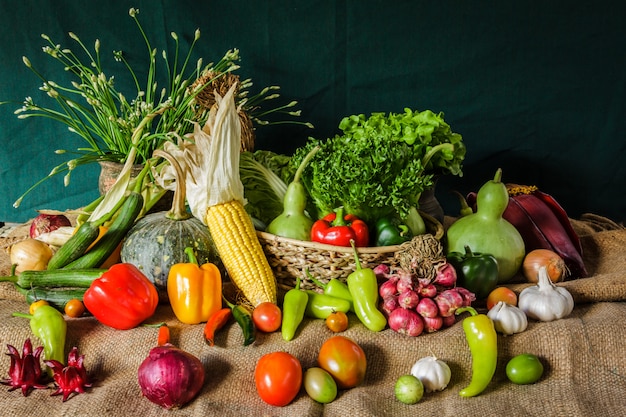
414 305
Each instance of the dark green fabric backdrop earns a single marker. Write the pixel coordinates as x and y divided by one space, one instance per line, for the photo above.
537 88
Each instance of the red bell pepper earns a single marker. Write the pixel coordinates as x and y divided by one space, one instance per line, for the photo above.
122 297
338 229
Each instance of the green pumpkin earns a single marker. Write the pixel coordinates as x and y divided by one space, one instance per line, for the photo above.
486 231
158 240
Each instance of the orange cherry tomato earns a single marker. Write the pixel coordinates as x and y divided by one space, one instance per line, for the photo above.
501 294
344 359
74 308
337 321
278 378
267 317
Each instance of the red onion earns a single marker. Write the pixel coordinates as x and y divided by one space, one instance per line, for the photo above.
406 322
408 299
448 301
46 223
467 295
382 270
170 377
405 282
428 291
445 275
449 321
389 304
427 308
432 324
388 288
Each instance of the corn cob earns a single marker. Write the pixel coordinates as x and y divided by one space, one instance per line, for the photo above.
215 196
240 251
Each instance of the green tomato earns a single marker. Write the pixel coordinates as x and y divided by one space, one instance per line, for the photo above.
409 389
320 385
524 369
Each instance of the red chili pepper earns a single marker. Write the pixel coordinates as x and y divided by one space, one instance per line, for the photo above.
164 335
338 229
216 322
122 297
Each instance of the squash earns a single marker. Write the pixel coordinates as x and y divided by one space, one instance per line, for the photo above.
158 240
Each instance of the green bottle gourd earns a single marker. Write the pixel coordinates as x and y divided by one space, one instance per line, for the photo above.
293 222
486 231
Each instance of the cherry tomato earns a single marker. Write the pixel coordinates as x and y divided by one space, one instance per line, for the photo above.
524 369
337 321
501 294
74 308
278 378
320 385
36 304
344 359
267 317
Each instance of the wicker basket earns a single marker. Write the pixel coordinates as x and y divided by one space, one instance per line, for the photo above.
289 258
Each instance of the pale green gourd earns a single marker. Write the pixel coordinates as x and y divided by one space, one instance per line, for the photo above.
486 231
293 222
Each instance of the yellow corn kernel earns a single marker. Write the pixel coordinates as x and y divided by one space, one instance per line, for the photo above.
241 252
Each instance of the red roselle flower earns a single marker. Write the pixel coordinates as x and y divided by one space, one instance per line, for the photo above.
71 378
25 371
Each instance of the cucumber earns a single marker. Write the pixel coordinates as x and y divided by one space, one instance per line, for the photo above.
117 231
56 297
75 246
81 278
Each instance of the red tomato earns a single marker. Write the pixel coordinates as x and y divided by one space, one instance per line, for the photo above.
278 378
267 317
501 294
344 359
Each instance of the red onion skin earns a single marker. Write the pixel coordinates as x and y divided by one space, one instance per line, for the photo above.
428 291
404 283
448 321
432 324
448 301
382 270
467 295
170 377
445 275
46 223
427 308
388 288
408 299
406 322
389 304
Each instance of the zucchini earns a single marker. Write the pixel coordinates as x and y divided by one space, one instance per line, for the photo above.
56 297
75 246
52 279
113 237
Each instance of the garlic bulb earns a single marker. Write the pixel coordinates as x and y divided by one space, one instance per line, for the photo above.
545 301
508 319
434 373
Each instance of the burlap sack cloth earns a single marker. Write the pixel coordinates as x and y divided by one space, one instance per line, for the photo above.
584 356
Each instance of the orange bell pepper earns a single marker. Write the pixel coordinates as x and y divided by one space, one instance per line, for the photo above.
194 291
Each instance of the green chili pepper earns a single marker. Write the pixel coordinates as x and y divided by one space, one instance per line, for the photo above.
388 232
320 306
48 324
363 286
244 319
478 272
483 343
294 304
334 288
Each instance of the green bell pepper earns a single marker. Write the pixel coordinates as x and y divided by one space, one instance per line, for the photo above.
388 232
476 272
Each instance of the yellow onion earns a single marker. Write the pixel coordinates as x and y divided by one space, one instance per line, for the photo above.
535 259
30 255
